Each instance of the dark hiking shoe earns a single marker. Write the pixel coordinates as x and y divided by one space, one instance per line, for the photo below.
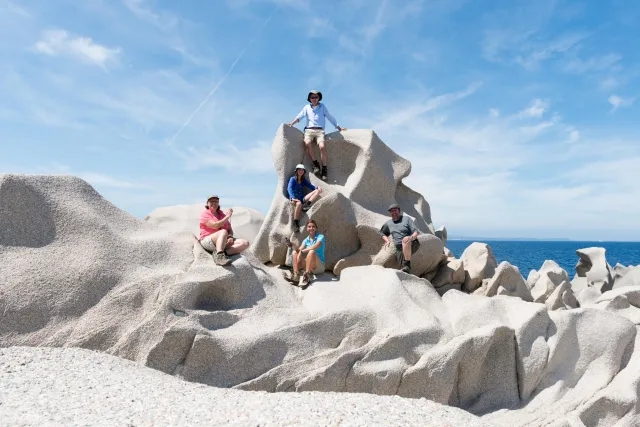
325 174
316 168
221 258
295 278
306 206
407 267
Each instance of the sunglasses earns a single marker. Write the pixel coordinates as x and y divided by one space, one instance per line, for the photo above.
314 97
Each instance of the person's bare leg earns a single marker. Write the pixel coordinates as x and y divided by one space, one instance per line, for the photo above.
297 261
220 237
298 211
406 250
238 246
310 151
312 261
323 154
311 197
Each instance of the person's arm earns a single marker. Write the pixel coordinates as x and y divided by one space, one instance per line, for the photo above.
218 224
316 245
413 229
329 117
309 185
385 234
290 188
302 114
301 247
230 231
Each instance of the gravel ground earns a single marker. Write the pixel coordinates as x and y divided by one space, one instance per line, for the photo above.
75 387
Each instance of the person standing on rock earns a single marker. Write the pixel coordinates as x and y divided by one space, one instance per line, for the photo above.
310 253
216 234
404 235
315 112
296 186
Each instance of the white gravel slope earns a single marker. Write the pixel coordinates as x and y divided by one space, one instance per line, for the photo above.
75 387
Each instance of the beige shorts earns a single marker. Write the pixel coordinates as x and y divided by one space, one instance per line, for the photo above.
319 268
208 243
311 135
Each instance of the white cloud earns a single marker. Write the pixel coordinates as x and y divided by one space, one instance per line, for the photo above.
59 42
609 83
617 102
536 110
534 53
494 112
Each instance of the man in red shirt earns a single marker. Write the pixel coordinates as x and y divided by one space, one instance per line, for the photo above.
216 234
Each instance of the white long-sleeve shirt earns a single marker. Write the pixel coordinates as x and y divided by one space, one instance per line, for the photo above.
315 116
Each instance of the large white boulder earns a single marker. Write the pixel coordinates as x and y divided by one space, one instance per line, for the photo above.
507 281
365 177
479 263
592 270
544 281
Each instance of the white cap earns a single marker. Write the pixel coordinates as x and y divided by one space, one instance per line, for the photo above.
300 166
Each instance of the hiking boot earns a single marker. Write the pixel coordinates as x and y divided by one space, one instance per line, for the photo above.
324 173
316 168
306 279
306 206
406 267
295 277
221 258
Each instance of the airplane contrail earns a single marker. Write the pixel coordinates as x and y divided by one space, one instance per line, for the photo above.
222 80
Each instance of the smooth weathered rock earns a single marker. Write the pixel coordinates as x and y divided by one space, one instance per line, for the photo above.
479 263
426 259
365 177
544 281
74 387
562 297
630 276
157 298
594 268
450 273
441 233
246 222
507 281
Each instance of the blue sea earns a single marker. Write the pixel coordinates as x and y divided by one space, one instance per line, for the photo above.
529 255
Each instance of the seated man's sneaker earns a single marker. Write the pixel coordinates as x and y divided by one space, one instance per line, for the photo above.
325 174
306 206
316 168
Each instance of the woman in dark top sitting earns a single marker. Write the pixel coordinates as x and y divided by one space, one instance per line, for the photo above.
296 193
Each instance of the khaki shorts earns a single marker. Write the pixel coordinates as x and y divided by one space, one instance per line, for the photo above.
208 243
319 268
314 134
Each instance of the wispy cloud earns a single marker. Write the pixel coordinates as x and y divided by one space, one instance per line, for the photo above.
596 63
536 109
59 42
619 102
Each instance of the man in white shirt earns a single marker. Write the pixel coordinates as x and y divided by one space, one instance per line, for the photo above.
315 113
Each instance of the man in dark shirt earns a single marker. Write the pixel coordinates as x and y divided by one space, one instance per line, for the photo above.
404 235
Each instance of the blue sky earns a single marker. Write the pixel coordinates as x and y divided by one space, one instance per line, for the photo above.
520 118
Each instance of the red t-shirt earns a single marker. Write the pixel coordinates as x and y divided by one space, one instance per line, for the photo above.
207 216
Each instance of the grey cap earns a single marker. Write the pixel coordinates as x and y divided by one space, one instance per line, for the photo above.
394 206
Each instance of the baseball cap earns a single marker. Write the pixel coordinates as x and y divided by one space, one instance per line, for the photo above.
394 206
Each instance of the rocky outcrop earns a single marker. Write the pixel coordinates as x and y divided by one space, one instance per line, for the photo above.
94 277
592 270
506 280
479 264
365 177
450 273
543 283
